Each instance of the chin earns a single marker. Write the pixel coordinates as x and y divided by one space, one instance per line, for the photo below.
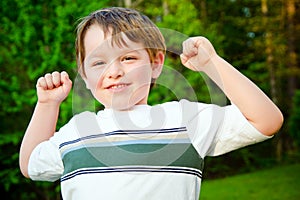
120 107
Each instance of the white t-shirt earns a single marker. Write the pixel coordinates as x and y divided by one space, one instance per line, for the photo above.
148 152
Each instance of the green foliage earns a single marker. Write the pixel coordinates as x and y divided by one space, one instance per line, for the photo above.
37 37
168 15
294 126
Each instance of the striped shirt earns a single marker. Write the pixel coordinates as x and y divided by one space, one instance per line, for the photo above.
149 152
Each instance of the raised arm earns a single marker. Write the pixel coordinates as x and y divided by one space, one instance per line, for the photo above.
52 89
199 55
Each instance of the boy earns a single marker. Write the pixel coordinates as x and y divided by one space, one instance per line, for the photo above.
131 150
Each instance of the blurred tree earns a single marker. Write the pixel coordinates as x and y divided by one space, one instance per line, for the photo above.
36 37
259 37
270 50
294 125
292 27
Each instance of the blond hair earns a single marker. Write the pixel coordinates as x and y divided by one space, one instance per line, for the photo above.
115 20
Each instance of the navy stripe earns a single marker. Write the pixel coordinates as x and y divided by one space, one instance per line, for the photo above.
121 132
133 169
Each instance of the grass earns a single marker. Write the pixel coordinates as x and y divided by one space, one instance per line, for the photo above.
276 183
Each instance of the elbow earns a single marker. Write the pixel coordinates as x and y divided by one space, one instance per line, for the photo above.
280 122
24 172
274 124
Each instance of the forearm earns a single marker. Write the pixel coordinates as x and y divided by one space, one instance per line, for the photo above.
253 103
41 127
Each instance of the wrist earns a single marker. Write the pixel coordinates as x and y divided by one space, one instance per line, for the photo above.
48 105
215 58
212 64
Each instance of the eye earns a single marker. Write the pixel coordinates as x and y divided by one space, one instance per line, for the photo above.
128 58
98 63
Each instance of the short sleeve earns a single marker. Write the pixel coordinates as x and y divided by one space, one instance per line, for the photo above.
216 130
234 132
45 162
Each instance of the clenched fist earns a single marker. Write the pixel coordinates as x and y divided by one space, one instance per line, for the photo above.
196 53
54 87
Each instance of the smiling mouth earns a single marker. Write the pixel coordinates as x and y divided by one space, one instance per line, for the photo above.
117 86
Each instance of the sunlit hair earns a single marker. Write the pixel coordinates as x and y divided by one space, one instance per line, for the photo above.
116 22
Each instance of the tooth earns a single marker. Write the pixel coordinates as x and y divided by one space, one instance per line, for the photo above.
118 86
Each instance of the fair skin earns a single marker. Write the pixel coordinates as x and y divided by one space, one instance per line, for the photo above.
199 55
120 78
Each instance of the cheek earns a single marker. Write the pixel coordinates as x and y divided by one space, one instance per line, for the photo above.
142 77
94 79
141 74
93 84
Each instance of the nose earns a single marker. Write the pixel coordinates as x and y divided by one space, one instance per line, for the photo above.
115 70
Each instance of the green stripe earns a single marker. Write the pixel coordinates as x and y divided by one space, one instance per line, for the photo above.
183 155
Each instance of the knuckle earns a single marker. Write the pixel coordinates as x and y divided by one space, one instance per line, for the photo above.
55 73
40 79
48 76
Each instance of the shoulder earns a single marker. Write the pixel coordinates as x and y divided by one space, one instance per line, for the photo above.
79 118
187 107
84 123
83 118
80 123
182 111
183 103
84 115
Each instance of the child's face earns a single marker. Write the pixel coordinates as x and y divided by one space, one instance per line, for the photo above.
118 77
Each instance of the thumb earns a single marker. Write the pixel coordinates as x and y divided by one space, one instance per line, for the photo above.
187 63
183 59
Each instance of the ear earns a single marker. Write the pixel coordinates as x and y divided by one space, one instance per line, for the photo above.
158 64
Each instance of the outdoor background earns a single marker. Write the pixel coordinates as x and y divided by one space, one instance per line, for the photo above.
259 37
